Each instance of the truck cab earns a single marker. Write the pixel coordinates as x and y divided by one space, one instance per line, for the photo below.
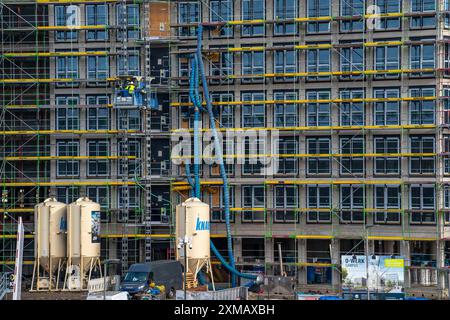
163 272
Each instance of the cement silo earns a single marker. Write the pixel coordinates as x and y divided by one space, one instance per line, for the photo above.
83 243
192 224
50 244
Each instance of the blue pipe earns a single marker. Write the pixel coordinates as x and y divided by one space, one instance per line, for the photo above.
219 155
229 267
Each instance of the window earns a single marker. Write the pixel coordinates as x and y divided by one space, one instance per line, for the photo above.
422 57
67 194
133 197
67 118
97 15
422 111
287 165
98 167
446 106
386 112
130 18
352 8
446 14
252 10
97 117
286 201
318 8
352 203
351 145
62 17
286 114
318 197
446 154
389 164
68 168
389 199
252 64
352 59
284 10
67 68
387 58
220 11
217 205
128 119
133 148
389 6
97 69
352 113
253 197
253 115
253 149
223 113
422 164
99 195
128 65
221 67
319 165
188 12
318 60
446 72
422 204
184 67
318 113
285 62
423 21
446 204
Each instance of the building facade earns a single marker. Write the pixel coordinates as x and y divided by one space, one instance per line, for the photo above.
64 134
350 100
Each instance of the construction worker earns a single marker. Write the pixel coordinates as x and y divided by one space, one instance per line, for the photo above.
130 88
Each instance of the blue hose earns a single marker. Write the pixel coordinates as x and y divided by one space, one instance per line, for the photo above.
230 268
219 154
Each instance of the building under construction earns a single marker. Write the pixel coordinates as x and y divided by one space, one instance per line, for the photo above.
348 100
65 131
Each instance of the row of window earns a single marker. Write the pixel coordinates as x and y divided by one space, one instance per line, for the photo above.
97 67
98 15
223 10
348 145
319 114
97 167
387 199
352 59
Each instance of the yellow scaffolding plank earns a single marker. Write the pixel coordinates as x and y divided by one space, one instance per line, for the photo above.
70 28
20 158
313 236
12 262
14 236
304 101
17 210
307 155
51 80
42 132
322 128
54 54
336 181
136 235
329 73
67 183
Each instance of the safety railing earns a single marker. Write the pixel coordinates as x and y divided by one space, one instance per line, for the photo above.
4 284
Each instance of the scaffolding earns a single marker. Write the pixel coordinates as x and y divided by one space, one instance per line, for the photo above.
63 133
230 38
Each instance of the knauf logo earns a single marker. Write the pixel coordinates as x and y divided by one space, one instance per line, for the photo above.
201 225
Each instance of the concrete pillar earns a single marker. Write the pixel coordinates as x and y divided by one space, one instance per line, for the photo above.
406 253
301 254
335 260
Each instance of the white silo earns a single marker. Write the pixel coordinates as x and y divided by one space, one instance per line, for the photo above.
50 244
193 222
83 243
